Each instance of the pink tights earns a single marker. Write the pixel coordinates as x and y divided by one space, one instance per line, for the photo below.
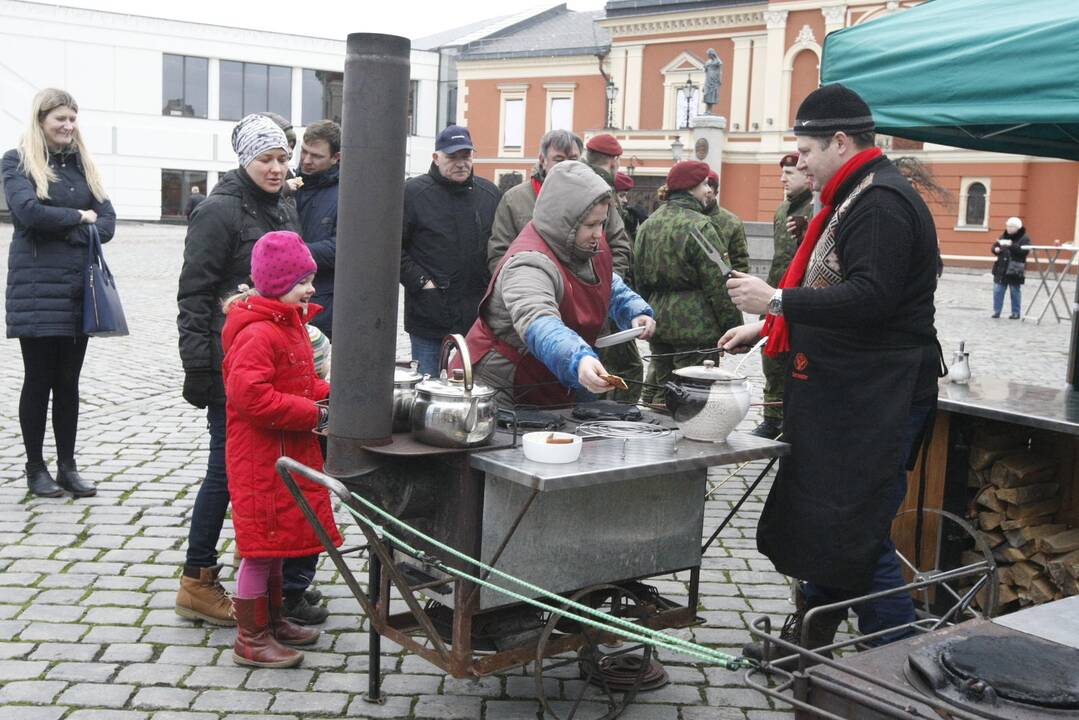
253 577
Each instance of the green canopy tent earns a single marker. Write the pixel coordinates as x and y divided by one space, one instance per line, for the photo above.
995 75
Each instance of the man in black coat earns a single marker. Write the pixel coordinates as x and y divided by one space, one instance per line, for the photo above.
447 219
855 311
316 202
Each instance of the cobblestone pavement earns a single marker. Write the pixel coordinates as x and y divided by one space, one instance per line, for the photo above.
87 629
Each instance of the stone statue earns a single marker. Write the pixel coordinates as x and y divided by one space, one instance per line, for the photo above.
713 78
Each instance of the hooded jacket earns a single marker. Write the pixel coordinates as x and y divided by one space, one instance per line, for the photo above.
522 307
271 386
316 204
444 240
217 258
48 252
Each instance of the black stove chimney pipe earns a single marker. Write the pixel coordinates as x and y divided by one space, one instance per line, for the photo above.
368 249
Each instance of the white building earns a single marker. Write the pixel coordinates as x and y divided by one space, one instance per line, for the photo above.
158 98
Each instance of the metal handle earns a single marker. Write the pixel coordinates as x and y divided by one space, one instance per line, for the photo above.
462 350
286 465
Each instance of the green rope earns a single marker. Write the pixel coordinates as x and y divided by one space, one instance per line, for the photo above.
628 629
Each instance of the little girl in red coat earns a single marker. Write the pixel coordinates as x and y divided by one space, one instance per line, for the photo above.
271 388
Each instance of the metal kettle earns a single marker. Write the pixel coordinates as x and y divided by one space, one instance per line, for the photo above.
452 411
959 372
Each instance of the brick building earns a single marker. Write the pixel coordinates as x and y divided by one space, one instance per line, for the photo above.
638 67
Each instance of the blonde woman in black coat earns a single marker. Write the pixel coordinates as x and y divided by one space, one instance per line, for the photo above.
55 193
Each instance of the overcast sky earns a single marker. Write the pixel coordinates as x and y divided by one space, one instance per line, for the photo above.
411 18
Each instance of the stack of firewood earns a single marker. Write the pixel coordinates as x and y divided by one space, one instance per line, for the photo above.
1016 499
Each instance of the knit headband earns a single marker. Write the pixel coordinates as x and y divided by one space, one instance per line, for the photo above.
256 134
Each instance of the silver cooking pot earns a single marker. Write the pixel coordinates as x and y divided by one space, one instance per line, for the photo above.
404 395
453 411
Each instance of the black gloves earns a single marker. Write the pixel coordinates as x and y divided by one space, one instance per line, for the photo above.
199 387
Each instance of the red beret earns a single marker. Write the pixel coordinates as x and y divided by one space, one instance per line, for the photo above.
713 180
788 160
623 182
606 143
687 175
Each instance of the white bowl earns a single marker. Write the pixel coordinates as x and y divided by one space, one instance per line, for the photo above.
537 448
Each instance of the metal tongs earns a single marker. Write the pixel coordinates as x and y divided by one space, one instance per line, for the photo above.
713 254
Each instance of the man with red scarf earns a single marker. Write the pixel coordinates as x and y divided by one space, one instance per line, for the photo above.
855 311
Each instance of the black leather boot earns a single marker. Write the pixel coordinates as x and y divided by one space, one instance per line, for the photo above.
770 428
40 481
822 629
68 478
301 612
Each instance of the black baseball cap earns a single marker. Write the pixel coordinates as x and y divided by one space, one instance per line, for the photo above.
454 138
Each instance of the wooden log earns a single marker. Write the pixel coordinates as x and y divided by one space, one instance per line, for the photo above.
1029 511
1006 525
1007 554
987 499
993 538
1040 559
970 557
1006 595
1041 591
1028 493
1004 574
977 478
1063 568
1059 543
1024 573
990 520
992 442
1023 535
1021 469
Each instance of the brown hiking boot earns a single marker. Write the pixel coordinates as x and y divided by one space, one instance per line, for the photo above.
255 642
287 632
821 632
202 597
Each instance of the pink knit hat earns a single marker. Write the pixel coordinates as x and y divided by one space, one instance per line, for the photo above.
279 260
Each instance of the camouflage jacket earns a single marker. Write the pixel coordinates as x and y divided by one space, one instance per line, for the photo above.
801 204
732 236
673 274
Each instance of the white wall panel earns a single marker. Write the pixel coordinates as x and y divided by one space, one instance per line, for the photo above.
138 81
90 75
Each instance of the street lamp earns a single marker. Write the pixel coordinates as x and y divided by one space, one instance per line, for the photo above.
676 150
612 93
687 92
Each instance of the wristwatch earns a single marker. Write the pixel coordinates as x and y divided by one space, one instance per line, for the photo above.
775 305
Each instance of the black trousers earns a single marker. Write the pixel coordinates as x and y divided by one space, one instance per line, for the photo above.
51 366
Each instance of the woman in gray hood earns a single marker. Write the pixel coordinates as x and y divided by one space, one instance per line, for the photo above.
550 295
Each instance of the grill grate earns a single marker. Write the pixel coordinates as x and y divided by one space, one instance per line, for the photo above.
620 429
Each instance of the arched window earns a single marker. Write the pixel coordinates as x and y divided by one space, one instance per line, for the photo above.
975 197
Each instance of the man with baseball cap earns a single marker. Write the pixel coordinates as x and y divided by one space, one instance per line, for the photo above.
791 218
855 310
447 221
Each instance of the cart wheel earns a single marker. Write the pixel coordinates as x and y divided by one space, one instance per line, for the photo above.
617 669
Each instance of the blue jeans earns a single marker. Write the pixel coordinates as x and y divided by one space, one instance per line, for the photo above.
425 352
998 297
212 504
886 612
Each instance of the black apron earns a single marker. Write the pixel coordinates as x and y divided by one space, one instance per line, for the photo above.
846 406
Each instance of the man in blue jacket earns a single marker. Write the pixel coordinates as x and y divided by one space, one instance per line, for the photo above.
316 203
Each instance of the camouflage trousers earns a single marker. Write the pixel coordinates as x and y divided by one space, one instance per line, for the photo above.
775 374
663 364
624 361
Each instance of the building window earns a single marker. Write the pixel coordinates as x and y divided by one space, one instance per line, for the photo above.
511 131
322 94
176 190
560 106
686 107
508 179
413 96
252 87
451 104
974 204
185 85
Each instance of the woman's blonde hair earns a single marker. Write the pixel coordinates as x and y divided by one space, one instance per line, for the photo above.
663 192
34 150
242 293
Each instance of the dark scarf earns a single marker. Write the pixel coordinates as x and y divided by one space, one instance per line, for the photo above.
775 326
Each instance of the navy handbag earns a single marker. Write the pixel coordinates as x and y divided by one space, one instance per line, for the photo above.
102 314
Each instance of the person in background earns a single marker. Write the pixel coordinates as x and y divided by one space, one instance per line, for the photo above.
193 201
791 218
245 204
514 210
855 309
1009 270
272 391
292 182
316 204
632 214
55 193
448 215
729 227
551 295
675 276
